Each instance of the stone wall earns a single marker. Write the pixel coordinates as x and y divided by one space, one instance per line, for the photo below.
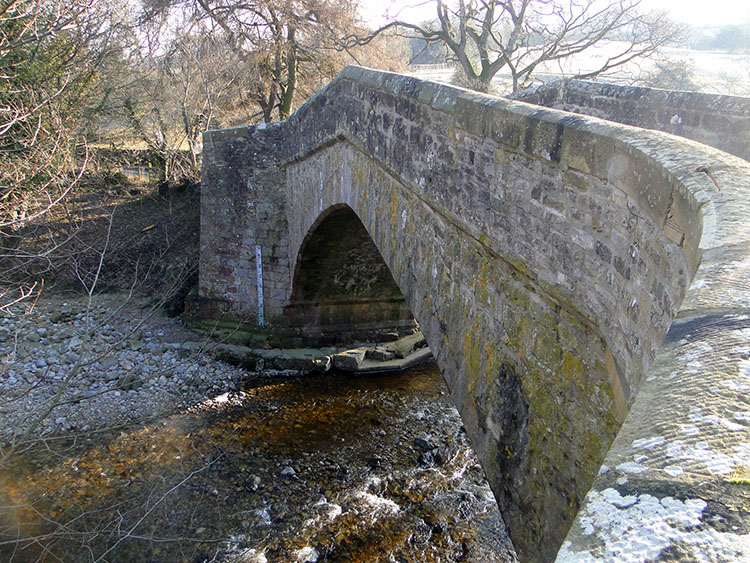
718 121
245 207
544 255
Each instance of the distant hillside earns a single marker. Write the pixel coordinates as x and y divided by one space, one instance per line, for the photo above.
730 38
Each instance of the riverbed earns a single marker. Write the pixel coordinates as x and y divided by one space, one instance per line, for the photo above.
326 467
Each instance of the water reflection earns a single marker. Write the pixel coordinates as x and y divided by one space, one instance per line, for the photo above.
326 468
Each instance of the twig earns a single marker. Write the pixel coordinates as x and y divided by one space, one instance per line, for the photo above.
129 533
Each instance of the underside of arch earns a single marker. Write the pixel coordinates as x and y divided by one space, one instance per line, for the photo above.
343 291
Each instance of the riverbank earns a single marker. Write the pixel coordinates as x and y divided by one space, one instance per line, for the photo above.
68 365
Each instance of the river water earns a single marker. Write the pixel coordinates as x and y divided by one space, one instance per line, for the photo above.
322 468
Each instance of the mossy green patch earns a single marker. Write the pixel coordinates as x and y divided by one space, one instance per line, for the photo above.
740 476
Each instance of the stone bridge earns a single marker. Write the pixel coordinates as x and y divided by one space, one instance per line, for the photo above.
545 257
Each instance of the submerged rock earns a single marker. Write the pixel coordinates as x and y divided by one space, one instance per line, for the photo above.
375 462
423 444
253 482
288 472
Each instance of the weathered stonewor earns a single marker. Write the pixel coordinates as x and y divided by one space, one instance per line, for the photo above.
715 120
545 256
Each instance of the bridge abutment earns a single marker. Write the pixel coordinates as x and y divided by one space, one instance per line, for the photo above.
244 209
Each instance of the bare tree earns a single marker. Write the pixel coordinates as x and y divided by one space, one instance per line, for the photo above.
178 90
518 36
281 47
51 58
670 74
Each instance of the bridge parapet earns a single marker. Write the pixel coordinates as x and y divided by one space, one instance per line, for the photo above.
719 121
544 255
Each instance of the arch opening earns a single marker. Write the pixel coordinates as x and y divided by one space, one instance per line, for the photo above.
343 291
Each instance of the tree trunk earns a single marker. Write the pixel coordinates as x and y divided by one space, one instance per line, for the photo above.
285 107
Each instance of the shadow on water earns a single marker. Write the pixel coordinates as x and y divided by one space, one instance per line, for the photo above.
321 468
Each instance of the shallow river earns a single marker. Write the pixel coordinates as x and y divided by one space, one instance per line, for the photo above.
321 468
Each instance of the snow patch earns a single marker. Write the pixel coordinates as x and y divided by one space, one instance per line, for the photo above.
717 463
689 429
735 385
673 470
649 443
631 467
640 527
697 351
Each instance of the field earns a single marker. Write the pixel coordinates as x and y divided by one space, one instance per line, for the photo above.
714 72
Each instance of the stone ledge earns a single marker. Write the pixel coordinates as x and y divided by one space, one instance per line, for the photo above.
717 120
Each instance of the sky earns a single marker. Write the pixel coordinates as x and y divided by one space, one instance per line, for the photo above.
693 12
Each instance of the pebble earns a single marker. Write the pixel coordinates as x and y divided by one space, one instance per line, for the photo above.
375 462
121 384
107 363
252 483
423 445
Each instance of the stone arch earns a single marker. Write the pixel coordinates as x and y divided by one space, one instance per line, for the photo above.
342 290
508 347
545 255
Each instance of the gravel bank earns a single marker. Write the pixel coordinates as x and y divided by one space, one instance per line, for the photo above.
111 362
